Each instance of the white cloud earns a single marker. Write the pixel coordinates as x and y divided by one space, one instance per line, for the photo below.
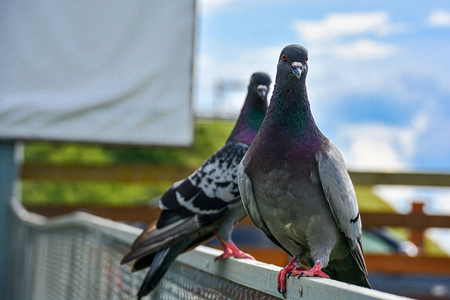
399 197
440 18
350 36
374 147
339 25
437 200
382 147
441 237
364 49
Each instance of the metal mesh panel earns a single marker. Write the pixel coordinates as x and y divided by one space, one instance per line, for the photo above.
77 257
83 263
201 285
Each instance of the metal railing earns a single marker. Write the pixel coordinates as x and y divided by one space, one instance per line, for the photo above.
77 257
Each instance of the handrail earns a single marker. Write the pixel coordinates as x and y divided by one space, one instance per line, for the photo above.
263 277
119 231
253 274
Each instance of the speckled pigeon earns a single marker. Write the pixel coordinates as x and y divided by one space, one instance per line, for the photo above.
205 204
295 186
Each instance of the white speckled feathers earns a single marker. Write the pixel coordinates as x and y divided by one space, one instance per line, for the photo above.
212 187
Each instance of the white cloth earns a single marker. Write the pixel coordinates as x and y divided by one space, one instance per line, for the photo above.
97 71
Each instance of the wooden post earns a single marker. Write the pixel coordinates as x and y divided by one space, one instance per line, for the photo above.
417 235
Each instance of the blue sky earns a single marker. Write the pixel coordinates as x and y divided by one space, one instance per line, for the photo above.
378 80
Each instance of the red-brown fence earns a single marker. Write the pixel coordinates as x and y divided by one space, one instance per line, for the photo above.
416 221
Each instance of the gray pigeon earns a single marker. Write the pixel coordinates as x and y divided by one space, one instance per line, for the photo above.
205 204
295 186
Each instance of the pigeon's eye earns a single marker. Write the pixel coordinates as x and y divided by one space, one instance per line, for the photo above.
283 57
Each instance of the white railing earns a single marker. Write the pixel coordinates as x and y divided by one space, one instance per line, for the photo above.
77 257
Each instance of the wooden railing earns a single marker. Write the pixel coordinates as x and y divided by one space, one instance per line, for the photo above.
416 221
392 264
153 173
148 213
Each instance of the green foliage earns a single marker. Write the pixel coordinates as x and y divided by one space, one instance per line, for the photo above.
90 193
210 136
57 153
369 202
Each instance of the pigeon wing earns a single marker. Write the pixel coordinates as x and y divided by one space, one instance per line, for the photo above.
250 204
212 187
341 197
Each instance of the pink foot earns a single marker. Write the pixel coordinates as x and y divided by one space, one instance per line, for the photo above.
281 280
231 250
315 271
292 270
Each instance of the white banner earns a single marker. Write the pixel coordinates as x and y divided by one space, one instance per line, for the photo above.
97 71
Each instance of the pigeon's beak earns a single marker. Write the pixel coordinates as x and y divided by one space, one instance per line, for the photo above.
262 90
297 68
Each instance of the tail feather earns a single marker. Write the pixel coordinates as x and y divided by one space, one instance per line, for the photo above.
153 240
358 256
143 262
159 266
149 282
347 270
155 235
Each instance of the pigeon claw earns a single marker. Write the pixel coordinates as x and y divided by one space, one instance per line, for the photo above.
282 292
231 250
315 271
284 274
297 272
235 255
292 270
